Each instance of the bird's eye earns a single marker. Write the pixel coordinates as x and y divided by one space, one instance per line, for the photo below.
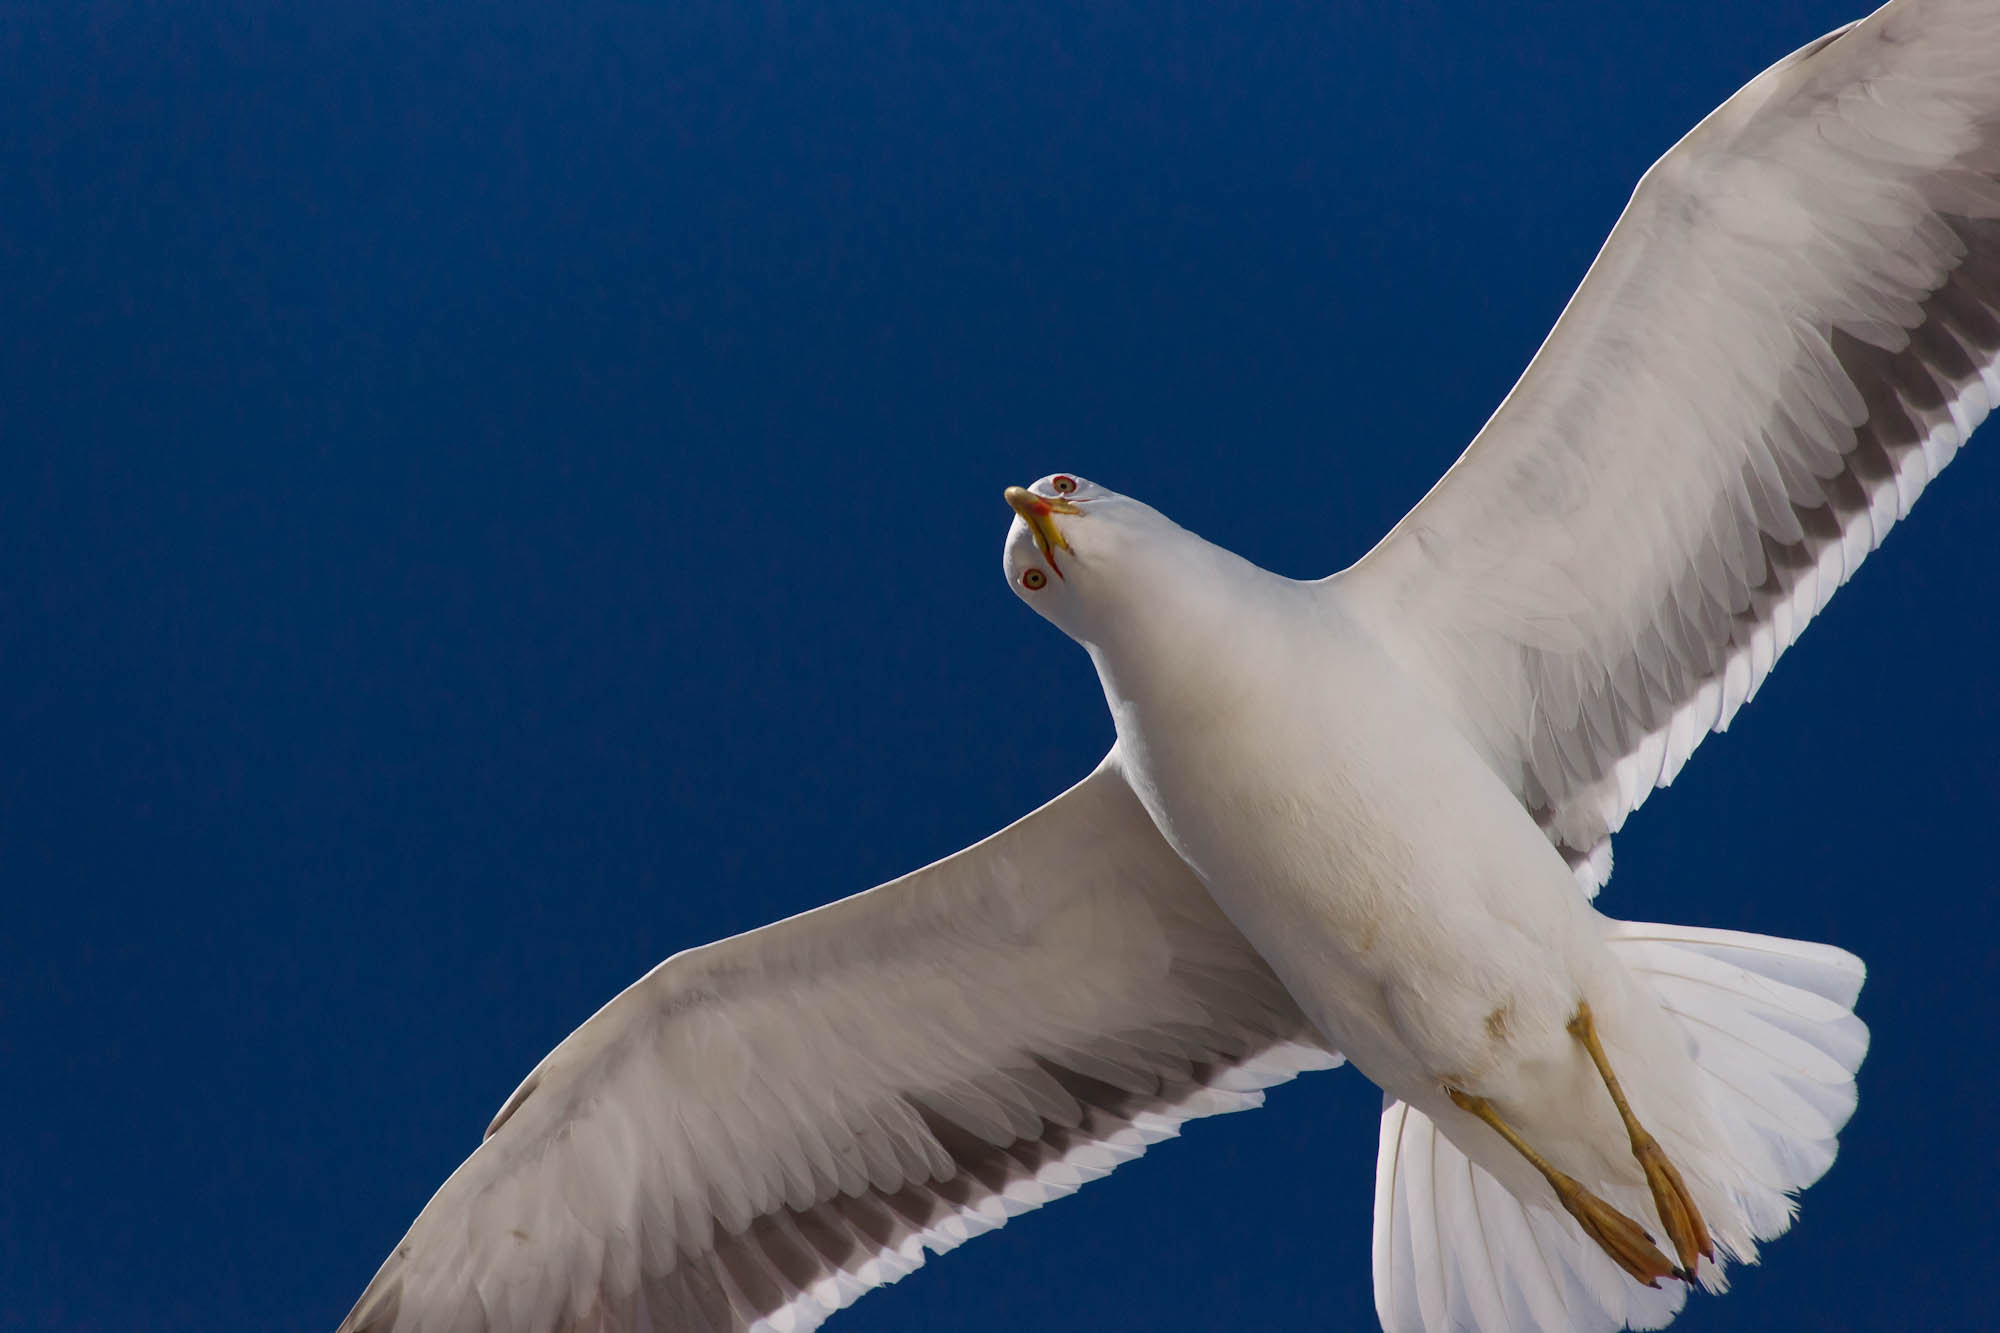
1034 580
1064 485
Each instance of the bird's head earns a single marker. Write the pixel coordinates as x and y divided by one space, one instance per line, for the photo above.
1078 553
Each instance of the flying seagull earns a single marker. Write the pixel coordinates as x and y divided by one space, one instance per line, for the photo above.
1359 818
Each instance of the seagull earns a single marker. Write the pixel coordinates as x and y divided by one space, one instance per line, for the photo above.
1358 819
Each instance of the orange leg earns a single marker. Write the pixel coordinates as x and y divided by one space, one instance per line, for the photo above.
1628 1244
1670 1196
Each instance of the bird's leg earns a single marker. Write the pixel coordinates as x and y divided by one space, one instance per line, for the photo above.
1628 1244
1670 1196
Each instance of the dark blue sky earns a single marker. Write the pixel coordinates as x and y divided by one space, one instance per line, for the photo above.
501 492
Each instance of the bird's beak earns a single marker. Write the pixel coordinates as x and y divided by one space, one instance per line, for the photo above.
1039 513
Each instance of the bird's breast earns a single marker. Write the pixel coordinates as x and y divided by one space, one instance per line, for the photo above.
1353 836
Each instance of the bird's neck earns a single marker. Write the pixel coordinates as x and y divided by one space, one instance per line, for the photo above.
1198 647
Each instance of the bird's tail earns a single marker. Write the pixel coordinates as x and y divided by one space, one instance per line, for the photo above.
1770 1026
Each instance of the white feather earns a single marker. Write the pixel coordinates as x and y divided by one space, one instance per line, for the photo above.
1444 1224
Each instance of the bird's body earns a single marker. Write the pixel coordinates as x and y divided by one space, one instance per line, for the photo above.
1288 762
1307 781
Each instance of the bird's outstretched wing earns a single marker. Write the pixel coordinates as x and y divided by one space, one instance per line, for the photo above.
761 1129
1791 329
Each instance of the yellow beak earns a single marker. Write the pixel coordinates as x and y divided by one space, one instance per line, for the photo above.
1039 513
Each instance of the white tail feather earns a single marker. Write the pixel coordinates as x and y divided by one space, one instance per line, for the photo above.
1777 1045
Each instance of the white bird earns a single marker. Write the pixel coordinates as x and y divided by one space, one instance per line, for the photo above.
1363 815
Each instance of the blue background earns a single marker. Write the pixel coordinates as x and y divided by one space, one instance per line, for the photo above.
498 493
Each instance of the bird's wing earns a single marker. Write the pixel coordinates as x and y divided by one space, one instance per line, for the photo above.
761 1129
1790 331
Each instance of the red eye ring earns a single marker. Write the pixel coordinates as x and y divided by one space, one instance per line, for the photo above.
1063 483
1034 580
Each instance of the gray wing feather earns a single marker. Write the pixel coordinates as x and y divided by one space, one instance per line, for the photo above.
1792 329
762 1129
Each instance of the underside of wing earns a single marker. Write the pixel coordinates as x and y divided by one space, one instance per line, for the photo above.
1791 330
759 1131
